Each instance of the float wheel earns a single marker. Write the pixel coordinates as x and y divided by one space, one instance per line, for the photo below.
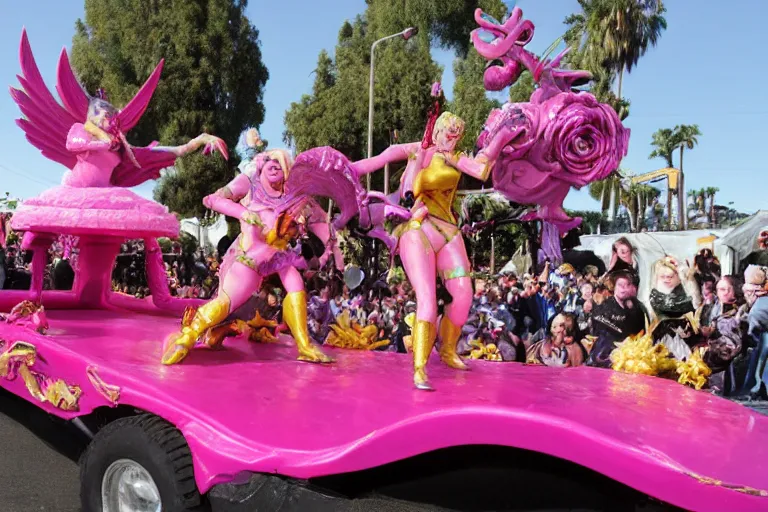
140 463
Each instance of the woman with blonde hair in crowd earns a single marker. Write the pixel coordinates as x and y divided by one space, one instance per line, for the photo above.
673 302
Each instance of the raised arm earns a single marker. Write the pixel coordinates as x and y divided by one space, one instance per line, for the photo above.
211 143
325 232
396 153
478 167
226 200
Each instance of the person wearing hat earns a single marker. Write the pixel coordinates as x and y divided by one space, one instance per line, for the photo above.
756 294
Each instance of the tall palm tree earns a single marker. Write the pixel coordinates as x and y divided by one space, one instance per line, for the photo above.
600 191
645 195
607 192
664 144
711 191
614 34
663 141
684 136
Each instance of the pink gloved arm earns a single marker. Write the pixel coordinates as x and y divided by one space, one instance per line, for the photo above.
226 199
210 143
323 230
79 140
478 167
395 153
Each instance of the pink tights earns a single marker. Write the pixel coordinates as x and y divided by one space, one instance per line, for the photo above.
422 265
240 282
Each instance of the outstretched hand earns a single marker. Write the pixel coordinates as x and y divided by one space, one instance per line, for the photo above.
212 144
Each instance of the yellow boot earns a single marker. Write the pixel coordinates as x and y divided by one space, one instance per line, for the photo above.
295 317
449 338
207 316
423 336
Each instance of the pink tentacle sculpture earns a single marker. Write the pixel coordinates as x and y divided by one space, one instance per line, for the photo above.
562 138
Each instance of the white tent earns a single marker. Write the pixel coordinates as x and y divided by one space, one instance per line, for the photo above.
207 236
741 241
650 247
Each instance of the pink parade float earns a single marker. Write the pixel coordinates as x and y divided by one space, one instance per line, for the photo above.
247 427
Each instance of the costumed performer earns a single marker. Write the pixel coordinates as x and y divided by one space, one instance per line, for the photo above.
87 134
248 146
270 220
430 244
674 301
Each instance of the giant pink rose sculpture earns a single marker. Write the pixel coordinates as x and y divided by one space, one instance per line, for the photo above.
561 138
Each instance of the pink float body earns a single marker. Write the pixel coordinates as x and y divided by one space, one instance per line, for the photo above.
253 407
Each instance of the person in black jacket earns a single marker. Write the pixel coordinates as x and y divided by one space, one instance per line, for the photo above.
615 319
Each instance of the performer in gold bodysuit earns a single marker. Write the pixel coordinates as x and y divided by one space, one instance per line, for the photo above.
430 244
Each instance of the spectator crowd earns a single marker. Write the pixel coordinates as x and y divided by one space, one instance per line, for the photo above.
558 316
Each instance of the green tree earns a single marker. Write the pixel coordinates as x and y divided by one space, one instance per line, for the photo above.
336 114
213 79
684 136
591 221
664 144
614 34
521 90
8 203
711 191
469 98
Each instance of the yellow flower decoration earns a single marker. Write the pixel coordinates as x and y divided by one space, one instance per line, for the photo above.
348 334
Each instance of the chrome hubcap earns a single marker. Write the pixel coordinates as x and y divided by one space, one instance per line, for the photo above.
128 487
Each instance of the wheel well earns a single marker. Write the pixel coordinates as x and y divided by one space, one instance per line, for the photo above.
483 477
100 417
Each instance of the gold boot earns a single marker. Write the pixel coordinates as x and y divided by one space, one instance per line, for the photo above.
295 317
449 338
423 336
207 316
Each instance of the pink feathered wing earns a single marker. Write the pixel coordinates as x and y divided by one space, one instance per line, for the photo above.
46 123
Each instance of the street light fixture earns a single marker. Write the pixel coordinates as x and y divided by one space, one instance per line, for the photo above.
406 35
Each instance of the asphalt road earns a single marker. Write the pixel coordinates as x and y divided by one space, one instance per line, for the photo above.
39 470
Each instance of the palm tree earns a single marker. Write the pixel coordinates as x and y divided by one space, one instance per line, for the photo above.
645 194
607 192
711 191
614 34
600 191
684 136
664 145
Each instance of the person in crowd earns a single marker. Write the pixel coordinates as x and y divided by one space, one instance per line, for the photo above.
615 319
724 330
622 260
673 307
560 348
585 306
756 295
706 267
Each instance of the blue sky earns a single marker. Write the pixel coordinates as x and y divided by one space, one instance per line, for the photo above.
707 70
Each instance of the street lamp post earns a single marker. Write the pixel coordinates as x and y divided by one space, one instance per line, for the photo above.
406 35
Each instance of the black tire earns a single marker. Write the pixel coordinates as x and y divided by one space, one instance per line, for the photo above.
153 443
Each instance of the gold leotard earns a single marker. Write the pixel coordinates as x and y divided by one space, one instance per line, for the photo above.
435 186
